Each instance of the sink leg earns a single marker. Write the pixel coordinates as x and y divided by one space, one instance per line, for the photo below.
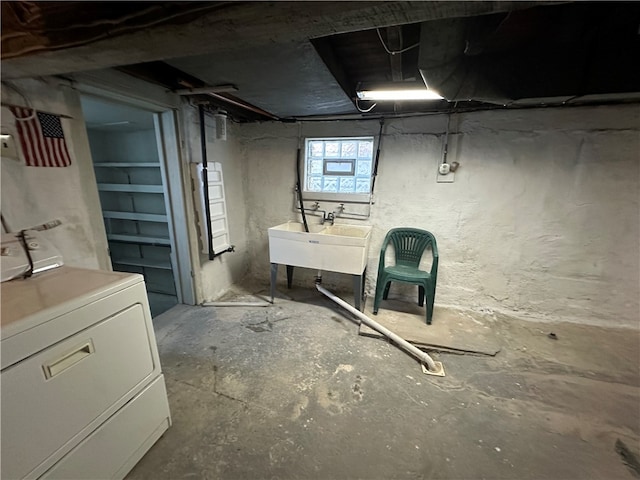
274 277
358 290
289 275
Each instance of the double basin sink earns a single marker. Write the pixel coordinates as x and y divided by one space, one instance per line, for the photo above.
332 248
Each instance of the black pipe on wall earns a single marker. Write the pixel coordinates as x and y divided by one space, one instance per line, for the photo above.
205 181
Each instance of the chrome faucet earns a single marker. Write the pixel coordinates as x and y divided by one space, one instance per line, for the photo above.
331 217
327 218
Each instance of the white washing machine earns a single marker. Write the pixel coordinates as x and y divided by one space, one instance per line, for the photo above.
82 391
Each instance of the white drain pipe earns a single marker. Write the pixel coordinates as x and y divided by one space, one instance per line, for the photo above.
401 342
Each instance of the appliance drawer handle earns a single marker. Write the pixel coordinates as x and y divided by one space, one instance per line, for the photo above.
51 369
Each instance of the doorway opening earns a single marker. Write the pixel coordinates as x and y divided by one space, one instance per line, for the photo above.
127 148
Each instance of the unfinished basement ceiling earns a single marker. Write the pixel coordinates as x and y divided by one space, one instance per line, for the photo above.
296 60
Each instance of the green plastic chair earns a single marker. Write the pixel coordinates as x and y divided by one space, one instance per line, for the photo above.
409 245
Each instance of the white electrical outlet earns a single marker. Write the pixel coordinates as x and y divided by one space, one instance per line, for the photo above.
8 147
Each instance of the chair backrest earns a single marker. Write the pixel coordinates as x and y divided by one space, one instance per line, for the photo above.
409 244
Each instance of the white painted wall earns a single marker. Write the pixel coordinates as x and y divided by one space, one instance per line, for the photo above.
214 277
542 220
31 195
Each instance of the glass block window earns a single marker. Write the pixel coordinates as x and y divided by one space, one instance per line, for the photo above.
338 165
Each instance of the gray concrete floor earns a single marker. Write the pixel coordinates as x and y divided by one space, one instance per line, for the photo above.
292 391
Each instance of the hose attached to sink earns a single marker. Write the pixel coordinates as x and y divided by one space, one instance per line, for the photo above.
299 183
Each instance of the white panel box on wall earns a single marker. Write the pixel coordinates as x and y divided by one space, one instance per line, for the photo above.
218 226
8 146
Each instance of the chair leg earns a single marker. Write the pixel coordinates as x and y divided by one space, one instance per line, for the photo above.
420 295
430 303
386 290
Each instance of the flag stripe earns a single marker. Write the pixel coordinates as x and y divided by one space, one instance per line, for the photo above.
65 159
55 146
23 130
58 153
31 139
52 147
53 161
37 140
45 152
55 153
41 138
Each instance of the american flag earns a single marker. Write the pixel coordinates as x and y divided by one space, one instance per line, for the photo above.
41 138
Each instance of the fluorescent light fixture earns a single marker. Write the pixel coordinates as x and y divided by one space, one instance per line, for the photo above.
398 94
397 91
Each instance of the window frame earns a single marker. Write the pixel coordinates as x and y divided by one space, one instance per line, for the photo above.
343 197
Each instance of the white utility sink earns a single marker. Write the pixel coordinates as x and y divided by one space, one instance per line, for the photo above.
332 248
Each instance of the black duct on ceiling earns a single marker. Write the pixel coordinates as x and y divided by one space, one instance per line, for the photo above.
543 53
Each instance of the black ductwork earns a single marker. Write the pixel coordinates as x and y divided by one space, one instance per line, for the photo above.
537 55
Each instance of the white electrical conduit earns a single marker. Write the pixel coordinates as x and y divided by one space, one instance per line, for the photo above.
432 367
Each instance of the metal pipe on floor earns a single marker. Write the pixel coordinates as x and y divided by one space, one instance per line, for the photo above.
424 358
